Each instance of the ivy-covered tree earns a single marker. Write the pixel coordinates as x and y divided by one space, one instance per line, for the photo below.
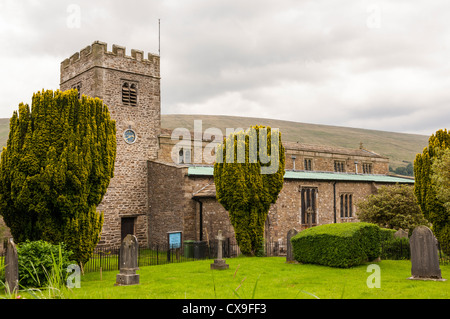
425 190
56 168
248 175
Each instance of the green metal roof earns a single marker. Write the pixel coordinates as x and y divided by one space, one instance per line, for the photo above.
312 175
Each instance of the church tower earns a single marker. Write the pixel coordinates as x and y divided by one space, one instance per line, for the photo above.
130 87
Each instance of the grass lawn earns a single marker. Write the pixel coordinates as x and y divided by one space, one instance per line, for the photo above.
272 277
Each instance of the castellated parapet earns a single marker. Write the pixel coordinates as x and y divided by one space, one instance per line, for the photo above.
97 55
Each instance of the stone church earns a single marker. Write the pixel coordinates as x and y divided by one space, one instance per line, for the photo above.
154 192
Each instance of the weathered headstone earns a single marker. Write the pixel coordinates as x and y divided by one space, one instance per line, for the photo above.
401 234
128 262
219 263
11 267
424 255
289 252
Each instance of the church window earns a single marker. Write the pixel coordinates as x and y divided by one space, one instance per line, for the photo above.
367 168
184 156
133 95
309 207
78 88
129 94
308 164
187 156
346 205
339 166
181 157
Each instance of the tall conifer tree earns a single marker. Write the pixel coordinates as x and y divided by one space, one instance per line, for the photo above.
248 175
56 168
432 208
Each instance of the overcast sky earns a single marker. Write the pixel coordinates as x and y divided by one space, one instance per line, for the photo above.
381 65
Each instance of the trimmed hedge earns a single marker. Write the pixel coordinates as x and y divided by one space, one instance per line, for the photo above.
338 245
387 234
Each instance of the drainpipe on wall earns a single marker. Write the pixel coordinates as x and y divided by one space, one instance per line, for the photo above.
200 218
334 201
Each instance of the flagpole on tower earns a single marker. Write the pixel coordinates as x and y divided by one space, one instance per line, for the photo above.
159 37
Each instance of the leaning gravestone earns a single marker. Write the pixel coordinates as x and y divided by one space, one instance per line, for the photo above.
424 255
128 262
11 267
289 252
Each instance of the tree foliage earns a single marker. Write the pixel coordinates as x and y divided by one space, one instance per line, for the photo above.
248 175
392 207
407 170
441 178
425 188
56 169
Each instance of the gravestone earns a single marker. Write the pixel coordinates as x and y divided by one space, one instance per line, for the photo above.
128 262
11 267
401 234
219 263
289 252
424 255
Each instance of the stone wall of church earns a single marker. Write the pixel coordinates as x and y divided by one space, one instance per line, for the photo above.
101 73
172 207
322 158
285 214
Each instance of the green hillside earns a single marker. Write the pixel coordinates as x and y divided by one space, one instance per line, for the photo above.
399 147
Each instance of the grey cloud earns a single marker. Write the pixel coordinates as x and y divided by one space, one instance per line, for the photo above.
296 60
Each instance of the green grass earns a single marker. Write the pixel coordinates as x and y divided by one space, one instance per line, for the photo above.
264 278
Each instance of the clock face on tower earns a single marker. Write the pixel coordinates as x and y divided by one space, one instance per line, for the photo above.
129 136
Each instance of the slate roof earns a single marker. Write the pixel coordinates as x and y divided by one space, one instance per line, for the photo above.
314 175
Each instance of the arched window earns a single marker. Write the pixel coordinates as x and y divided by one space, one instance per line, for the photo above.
181 157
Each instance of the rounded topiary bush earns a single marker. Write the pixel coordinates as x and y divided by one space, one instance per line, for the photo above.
337 245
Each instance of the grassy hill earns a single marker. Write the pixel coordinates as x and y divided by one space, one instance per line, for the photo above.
399 147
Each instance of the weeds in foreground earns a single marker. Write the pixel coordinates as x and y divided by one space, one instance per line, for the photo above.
55 288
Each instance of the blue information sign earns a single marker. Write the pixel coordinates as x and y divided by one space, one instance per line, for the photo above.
175 240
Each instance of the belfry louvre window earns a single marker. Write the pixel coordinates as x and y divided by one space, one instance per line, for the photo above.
346 205
309 207
78 88
129 94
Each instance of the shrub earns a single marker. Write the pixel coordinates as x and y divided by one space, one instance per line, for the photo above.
337 245
386 234
38 258
395 248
